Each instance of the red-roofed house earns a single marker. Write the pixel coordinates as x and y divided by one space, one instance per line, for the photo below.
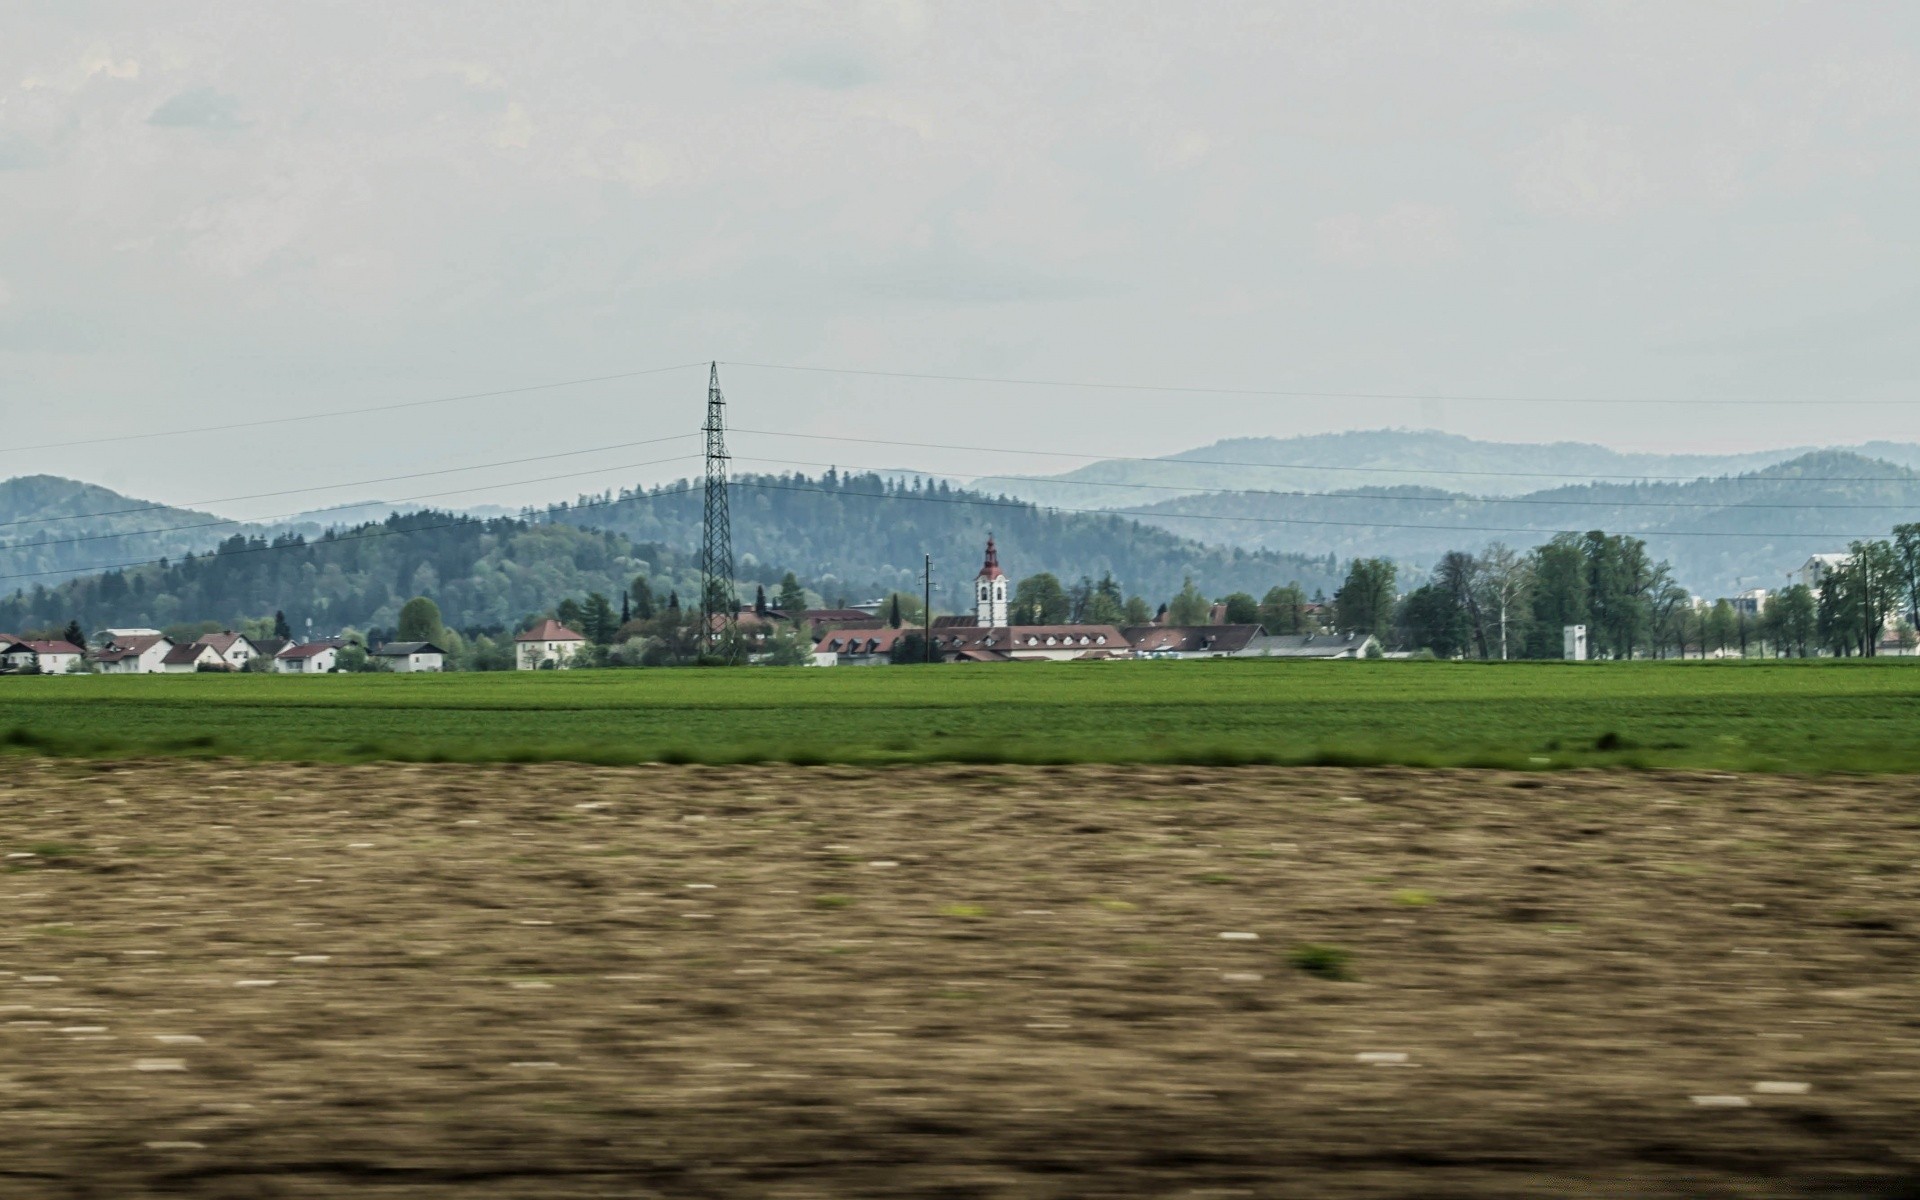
313 658
187 659
548 645
49 658
233 648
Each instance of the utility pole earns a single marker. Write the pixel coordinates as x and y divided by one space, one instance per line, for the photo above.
716 549
926 610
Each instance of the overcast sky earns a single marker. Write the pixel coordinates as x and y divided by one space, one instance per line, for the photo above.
216 211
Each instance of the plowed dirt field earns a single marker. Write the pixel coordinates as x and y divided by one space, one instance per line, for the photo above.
261 980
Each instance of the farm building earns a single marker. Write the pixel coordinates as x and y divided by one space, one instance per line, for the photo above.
547 646
1310 645
409 657
1190 641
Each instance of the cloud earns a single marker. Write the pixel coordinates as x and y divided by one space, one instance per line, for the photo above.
827 67
516 129
19 154
202 108
1586 170
1404 235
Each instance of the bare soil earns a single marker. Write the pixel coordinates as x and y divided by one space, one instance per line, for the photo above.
242 980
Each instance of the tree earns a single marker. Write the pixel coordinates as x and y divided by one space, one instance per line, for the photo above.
642 593
597 622
1079 599
1431 618
1720 626
1106 606
759 599
73 635
893 618
1190 607
1039 600
281 629
1795 618
1906 559
420 621
1505 577
909 647
1284 609
1136 611
1242 609
568 613
789 648
793 597
1559 593
1364 603
1458 574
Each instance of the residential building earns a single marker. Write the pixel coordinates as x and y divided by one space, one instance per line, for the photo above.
547 646
1310 645
104 636
1190 641
197 657
409 657
49 658
123 653
233 648
1029 643
1751 602
859 647
313 658
1815 570
269 648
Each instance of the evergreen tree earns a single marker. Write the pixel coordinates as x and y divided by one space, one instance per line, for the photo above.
760 600
281 629
626 607
893 617
74 635
793 597
642 593
597 622
1364 603
568 613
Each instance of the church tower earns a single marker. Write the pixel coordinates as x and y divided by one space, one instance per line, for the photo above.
990 591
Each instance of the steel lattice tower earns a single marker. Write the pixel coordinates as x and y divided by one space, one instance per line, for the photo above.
716 550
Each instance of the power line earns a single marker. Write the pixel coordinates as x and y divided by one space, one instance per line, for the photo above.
350 412
1222 462
1446 499
327 487
1303 394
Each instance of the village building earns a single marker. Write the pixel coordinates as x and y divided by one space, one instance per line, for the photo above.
123 653
47 657
1815 570
990 591
1030 643
1311 645
410 657
234 649
197 657
547 646
313 658
858 647
1190 641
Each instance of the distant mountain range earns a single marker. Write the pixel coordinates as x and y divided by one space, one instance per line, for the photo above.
1385 458
1239 514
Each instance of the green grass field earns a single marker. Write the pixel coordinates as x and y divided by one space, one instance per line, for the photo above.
1792 716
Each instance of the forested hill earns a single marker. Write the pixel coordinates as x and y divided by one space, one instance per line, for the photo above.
847 537
483 574
1721 535
53 528
859 535
1385 458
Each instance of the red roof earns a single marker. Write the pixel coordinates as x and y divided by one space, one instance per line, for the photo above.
863 641
310 650
223 641
51 647
992 568
549 630
132 647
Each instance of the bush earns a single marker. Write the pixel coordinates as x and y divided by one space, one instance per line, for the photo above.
1324 962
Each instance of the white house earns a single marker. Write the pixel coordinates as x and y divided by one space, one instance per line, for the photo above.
184 660
314 658
234 648
50 658
407 657
124 653
548 644
1815 570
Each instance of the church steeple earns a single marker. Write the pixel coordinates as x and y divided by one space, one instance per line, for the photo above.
990 591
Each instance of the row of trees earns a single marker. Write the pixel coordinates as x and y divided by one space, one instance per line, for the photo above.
1502 604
